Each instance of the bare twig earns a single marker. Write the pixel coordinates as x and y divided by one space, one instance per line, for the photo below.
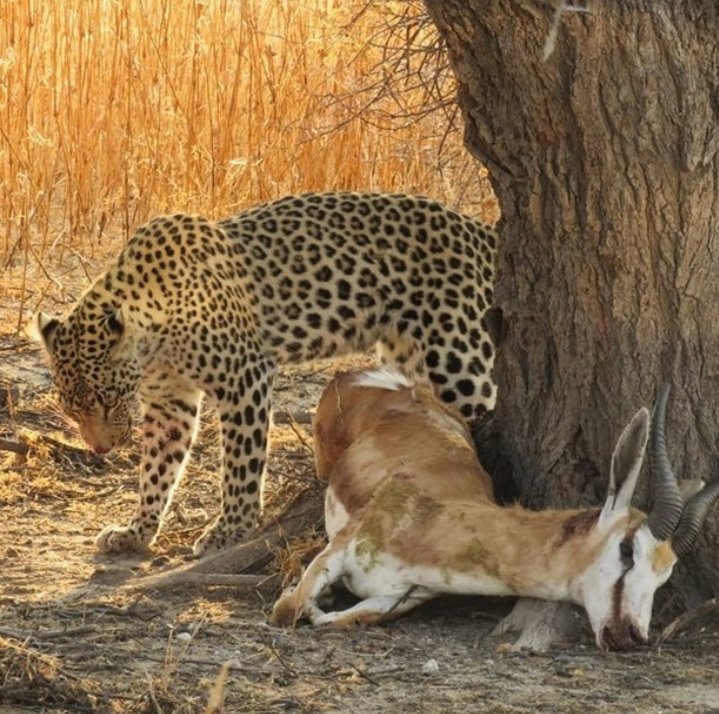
412 61
16 447
364 675
551 41
285 665
46 634
301 439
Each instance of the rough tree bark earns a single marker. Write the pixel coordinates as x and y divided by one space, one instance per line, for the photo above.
605 163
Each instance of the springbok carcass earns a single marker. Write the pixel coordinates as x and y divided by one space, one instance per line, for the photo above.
410 515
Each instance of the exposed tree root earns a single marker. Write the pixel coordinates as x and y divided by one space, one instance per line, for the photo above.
540 623
697 614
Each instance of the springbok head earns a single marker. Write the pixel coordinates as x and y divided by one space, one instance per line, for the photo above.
636 553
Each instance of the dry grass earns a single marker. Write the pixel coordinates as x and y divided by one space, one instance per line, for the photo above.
111 112
33 678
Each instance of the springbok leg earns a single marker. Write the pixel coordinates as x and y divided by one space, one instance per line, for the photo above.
380 608
324 570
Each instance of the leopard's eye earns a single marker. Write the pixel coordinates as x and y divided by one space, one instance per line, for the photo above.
107 402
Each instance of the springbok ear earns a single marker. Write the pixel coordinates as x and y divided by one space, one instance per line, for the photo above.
626 465
42 327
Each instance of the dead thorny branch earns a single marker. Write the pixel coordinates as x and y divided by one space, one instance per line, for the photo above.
413 63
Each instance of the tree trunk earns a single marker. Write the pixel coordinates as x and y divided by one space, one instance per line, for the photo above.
604 161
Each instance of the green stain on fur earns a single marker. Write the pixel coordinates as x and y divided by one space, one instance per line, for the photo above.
474 554
367 551
394 497
427 509
398 505
400 497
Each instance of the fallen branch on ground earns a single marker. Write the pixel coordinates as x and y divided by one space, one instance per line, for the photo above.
42 635
231 566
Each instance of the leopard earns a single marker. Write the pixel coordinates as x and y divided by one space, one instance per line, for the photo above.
195 309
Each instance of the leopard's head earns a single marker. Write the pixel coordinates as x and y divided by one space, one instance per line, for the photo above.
95 370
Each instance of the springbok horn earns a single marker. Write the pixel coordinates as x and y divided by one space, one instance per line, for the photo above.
667 508
695 512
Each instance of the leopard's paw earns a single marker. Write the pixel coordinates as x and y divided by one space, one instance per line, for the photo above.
217 537
118 539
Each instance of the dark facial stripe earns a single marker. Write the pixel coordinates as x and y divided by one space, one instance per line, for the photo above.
617 592
578 524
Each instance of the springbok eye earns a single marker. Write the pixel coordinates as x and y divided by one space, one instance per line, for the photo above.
626 552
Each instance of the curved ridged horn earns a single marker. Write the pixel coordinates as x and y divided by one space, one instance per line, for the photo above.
695 513
667 508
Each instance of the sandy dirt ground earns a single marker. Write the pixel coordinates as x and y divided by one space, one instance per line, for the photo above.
74 637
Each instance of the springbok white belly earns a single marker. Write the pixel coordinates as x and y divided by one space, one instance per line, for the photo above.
379 574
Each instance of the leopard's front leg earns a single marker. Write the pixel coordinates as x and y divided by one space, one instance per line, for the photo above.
171 415
244 423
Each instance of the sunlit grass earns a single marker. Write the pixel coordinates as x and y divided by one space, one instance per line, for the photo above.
112 111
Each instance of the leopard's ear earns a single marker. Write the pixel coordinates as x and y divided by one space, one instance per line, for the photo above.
123 328
42 327
116 322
